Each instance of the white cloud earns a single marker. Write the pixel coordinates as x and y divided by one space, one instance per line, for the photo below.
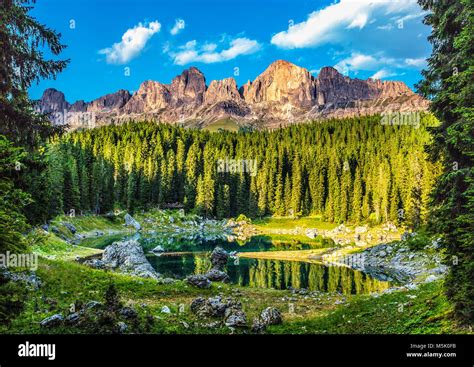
179 25
190 52
345 18
418 63
383 73
358 61
132 43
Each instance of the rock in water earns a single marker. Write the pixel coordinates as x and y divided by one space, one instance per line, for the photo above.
130 221
158 249
199 281
219 258
128 257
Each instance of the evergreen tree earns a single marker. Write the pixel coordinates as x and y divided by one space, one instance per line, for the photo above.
448 82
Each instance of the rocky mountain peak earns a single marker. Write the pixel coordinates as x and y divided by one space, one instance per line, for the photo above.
283 93
109 102
222 90
282 82
52 100
188 87
328 72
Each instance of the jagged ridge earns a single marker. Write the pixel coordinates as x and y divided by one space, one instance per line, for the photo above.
284 93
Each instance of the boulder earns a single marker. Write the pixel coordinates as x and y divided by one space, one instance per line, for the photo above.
215 275
122 327
131 222
361 229
166 281
92 305
95 263
269 316
311 233
128 313
70 226
219 258
158 249
52 321
235 318
29 278
431 278
72 319
128 257
213 306
198 304
199 281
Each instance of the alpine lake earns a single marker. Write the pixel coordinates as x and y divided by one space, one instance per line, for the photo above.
182 257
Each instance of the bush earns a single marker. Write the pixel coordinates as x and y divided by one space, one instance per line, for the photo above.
418 241
243 218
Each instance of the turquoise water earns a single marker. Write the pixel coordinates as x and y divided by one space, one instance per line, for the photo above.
193 257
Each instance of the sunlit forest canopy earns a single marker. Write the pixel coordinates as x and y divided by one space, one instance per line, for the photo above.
354 169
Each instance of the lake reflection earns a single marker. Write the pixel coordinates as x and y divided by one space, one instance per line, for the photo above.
277 274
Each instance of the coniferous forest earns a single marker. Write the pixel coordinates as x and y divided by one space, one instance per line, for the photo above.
351 170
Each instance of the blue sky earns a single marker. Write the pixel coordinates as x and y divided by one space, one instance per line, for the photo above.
119 44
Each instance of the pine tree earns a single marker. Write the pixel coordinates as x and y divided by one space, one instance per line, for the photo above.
448 81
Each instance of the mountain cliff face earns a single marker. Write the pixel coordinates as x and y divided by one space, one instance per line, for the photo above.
284 93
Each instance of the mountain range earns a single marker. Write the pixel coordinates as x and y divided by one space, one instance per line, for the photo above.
283 94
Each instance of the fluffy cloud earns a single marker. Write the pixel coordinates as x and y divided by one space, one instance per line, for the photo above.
418 63
384 66
383 73
379 36
336 22
132 43
179 25
208 54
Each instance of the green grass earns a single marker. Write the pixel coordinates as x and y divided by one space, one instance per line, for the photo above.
423 311
65 283
90 223
54 247
290 223
224 124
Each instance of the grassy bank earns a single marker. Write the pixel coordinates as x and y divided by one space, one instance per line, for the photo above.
65 283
